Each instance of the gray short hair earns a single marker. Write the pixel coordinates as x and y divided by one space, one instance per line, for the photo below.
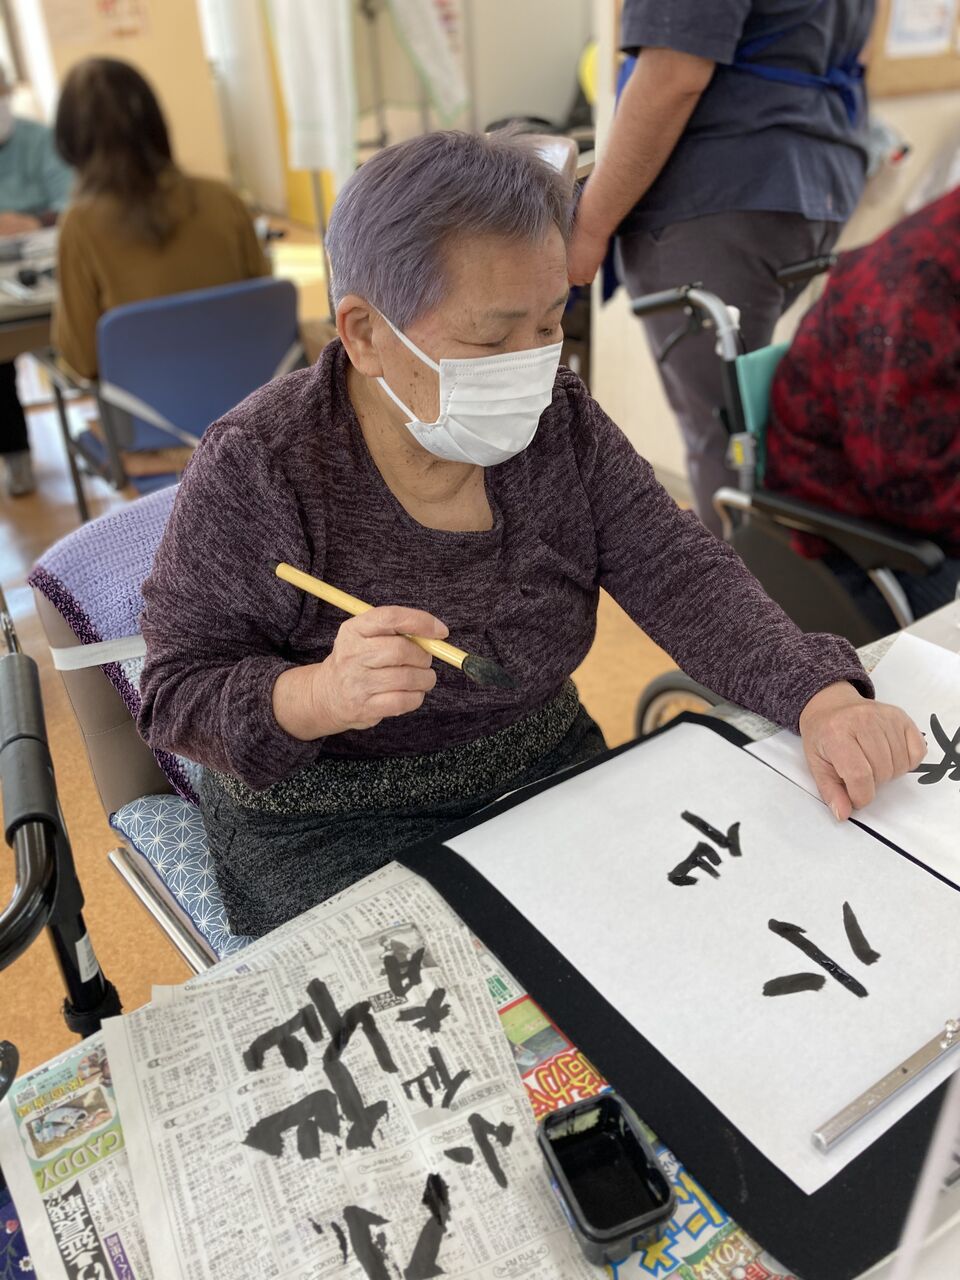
394 216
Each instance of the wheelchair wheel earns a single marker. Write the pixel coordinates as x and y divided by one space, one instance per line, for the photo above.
666 697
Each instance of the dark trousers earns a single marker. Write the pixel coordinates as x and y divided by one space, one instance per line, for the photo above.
737 257
13 425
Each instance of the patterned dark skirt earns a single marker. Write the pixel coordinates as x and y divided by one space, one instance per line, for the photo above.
279 851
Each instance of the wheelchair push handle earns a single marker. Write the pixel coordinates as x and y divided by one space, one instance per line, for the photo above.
666 300
34 892
29 796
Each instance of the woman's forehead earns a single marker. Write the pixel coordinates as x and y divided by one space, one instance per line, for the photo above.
495 272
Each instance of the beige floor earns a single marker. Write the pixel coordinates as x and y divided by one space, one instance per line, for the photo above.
132 951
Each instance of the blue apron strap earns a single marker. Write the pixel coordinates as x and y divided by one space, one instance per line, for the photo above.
845 78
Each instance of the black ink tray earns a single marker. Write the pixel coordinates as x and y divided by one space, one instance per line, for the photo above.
607 1177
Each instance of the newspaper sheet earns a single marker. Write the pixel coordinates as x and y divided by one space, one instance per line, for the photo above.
345 1103
65 1160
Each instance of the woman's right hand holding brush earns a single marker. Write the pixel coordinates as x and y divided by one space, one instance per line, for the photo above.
373 671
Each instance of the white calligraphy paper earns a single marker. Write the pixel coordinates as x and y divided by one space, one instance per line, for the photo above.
588 863
919 812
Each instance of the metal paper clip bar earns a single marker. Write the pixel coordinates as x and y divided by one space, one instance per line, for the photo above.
845 1121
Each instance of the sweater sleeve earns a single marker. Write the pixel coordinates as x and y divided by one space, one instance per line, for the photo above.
690 592
79 305
217 620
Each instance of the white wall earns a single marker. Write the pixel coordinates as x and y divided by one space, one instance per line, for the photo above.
523 56
623 375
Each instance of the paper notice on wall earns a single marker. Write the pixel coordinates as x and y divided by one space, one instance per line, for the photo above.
920 28
919 812
124 19
71 21
87 22
793 937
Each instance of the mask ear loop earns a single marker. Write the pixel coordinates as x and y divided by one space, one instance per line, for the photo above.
411 346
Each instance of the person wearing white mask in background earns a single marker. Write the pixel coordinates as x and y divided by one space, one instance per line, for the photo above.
34 190
438 463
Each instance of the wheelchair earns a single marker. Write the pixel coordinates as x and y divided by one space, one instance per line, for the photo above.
758 524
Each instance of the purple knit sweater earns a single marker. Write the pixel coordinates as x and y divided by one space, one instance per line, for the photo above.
287 476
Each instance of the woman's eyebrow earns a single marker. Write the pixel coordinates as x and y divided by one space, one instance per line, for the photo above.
498 314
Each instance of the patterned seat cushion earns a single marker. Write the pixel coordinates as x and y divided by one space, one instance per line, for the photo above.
168 832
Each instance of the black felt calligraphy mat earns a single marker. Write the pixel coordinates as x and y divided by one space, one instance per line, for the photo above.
835 1234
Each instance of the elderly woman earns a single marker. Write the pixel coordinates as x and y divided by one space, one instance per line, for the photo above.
437 463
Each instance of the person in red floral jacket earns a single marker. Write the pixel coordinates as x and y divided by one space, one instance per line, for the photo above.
865 408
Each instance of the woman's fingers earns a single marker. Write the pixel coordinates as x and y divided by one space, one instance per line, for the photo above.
382 705
378 680
394 651
394 619
831 787
916 744
858 748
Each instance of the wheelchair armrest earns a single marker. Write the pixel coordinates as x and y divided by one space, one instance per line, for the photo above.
800 273
869 544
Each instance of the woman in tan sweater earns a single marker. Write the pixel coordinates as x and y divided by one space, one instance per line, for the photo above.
138 226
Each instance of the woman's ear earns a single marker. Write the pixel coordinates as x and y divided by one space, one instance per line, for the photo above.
357 322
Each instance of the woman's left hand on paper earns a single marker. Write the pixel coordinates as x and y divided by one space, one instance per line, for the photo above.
853 745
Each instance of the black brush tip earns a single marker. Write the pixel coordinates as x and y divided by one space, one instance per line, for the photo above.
274 565
484 671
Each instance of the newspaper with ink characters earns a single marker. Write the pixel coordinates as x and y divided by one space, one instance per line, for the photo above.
188 1100
343 1103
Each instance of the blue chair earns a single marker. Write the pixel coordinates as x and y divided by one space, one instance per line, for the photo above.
170 366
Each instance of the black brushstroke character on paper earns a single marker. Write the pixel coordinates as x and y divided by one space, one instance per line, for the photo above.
949 766
703 857
792 983
433 1079
483 1130
429 1016
320 1111
369 1245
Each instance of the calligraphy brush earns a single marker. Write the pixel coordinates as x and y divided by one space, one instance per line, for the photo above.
482 671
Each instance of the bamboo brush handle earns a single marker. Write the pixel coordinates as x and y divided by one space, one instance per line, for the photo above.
350 604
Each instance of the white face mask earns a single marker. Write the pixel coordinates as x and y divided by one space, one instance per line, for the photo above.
490 407
6 119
